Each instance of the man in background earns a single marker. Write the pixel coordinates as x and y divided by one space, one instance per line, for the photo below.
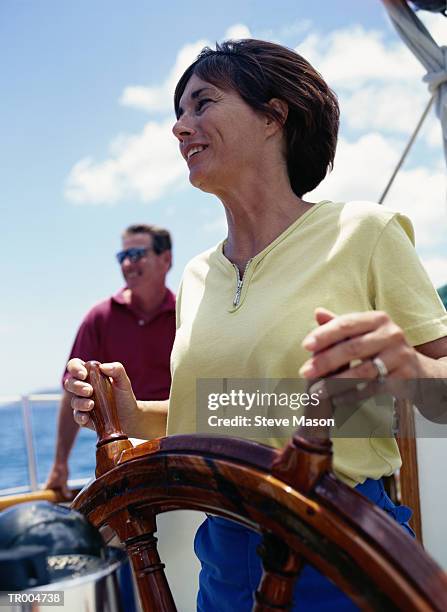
135 327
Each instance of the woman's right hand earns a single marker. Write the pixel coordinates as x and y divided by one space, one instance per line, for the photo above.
82 392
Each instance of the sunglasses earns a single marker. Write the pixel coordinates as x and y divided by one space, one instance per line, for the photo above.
134 254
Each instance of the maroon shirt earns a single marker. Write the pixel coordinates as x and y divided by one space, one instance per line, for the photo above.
113 331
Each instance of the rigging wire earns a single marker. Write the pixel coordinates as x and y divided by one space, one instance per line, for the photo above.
407 149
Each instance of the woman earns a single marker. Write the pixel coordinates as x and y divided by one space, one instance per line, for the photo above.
257 126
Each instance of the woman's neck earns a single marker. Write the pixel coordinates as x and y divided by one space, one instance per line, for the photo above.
255 221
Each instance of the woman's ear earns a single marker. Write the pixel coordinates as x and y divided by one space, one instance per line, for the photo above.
282 109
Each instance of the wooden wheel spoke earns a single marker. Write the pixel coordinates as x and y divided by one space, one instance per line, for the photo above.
137 531
304 513
282 567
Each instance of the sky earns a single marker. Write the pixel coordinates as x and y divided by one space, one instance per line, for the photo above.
86 116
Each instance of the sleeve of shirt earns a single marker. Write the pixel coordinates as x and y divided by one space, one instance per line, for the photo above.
87 344
400 285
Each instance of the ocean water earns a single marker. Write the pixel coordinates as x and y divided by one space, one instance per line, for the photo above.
13 458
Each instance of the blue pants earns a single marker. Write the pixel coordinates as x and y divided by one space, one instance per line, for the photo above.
231 569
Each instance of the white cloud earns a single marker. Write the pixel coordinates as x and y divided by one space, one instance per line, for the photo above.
352 56
420 193
437 269
362 169
159 97
382 97
237 31
392 108
381 92
142 166
379 81
432 132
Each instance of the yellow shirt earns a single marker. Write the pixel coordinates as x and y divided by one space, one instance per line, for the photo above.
345 257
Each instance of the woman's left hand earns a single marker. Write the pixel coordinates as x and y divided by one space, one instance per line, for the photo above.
359 336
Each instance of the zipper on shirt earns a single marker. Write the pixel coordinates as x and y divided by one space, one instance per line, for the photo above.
239 283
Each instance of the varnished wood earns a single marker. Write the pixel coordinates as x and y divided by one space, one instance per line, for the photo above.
112 441
409 474
136 529
55 496
303 461
291 495
336 529
281 567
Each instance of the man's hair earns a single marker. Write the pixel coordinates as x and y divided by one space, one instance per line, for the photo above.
259 71
161 238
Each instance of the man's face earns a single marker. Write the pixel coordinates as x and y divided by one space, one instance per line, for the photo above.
151 268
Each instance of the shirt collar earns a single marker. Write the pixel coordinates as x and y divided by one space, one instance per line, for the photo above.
167 305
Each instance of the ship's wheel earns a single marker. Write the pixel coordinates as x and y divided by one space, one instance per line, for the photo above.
291 497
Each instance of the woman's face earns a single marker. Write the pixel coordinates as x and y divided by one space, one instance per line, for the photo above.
220 136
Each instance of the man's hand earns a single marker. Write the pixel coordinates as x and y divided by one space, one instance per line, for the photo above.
57 479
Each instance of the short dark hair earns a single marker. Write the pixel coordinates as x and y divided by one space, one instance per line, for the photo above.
259 71
161 238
